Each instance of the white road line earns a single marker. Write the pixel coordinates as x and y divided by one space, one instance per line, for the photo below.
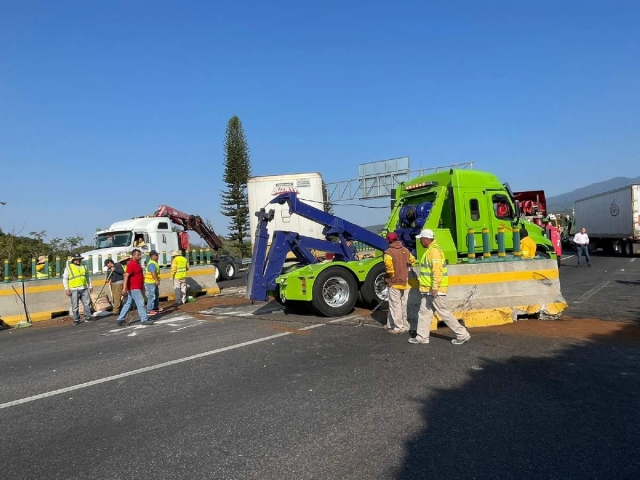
160 365
138 371
564 258
591 292
632 260
312 326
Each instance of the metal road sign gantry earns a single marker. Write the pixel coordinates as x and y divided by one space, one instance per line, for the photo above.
378 179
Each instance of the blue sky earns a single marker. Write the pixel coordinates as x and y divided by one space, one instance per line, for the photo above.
108 109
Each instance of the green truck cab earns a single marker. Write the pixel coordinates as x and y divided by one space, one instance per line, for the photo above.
453 201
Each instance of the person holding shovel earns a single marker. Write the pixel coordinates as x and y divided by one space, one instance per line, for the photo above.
77 285
115 280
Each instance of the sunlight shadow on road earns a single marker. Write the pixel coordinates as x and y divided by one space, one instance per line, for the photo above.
570 415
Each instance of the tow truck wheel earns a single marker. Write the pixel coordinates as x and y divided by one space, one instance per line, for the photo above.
373 289
542 253
228 270
334 292
217 272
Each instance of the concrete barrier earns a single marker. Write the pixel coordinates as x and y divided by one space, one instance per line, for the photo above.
46 298
495 293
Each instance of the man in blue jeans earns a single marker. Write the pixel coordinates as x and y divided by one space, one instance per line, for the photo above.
133 285
152 283
581 239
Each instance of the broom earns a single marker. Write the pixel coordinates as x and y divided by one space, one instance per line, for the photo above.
22 323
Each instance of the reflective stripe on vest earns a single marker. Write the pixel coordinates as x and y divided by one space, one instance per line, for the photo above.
148 278
426 271
77 276
181 267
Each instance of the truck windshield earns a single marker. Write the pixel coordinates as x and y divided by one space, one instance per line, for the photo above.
113 239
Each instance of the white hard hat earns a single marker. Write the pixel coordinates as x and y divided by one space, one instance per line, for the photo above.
426 233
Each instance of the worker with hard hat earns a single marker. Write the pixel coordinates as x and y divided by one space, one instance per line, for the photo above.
77 285
41 273
434 281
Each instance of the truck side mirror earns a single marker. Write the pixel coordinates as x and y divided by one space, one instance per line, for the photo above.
516 206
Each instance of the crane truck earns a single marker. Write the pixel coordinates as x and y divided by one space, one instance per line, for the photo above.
449 202
533 208
156 233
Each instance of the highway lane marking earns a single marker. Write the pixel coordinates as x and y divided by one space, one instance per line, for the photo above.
590 293
565 258
157 366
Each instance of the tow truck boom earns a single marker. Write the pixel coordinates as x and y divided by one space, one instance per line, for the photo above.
190 222
265 268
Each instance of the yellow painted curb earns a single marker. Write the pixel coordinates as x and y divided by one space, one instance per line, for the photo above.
501 316
95 284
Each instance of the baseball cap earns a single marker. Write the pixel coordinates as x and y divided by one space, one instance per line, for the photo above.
426 233
392 237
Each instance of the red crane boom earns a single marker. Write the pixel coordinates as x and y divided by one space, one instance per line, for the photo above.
190 222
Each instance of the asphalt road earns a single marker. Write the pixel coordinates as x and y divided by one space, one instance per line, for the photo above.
609 290
250 393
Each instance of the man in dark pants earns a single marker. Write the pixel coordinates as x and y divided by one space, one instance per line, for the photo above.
116 282
581 239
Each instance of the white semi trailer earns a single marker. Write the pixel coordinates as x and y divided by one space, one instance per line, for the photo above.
612 220
261 190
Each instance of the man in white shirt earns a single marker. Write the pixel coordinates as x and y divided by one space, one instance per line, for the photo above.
581 239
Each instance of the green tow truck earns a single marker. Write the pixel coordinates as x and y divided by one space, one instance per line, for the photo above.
449 202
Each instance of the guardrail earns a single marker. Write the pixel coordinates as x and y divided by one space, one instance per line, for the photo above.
53 267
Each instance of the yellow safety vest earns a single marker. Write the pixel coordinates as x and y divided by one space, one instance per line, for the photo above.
40 272
77 276
148 278
182 265
426 270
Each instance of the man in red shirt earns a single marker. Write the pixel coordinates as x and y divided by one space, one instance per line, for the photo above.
134 285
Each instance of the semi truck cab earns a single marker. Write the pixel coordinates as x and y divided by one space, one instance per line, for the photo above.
454 201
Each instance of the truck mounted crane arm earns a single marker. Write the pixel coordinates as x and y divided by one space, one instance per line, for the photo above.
190 222
267 261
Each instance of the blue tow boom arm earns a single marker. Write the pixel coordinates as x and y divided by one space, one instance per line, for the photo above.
267 266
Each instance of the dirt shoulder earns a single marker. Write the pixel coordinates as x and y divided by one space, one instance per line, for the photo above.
574 328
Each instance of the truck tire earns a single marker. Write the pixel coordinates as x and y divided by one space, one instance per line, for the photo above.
542 253
373 287
218 273
228 270
628 248
335 292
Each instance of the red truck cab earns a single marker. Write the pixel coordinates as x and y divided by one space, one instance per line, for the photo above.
533 206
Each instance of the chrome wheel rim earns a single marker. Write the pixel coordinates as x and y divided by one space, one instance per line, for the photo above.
335 292
380 287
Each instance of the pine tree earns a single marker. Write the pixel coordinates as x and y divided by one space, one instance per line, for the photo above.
237 169
326 202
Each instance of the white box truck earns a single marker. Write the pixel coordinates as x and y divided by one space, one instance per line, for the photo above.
262 189
612 219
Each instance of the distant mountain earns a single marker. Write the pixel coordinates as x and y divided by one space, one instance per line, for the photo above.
565 201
